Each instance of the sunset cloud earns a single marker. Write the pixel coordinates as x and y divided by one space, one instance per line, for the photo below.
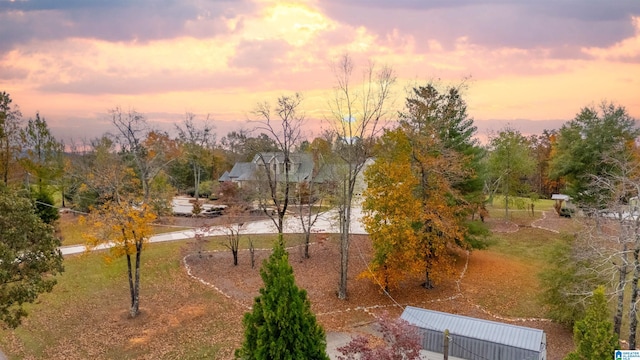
536 60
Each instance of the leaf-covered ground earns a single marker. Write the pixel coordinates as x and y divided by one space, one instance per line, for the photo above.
488 284
185 317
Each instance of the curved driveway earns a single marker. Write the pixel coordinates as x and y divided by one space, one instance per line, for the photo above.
327 223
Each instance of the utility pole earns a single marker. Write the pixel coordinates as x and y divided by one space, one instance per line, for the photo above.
445 350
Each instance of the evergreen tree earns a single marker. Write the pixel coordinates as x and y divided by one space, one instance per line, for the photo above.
281 324
594 334
44 207
583 145
29 257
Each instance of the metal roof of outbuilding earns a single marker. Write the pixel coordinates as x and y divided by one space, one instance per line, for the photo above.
560 197
491 331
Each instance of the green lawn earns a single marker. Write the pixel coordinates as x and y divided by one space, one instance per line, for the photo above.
526 252
86 315
520 203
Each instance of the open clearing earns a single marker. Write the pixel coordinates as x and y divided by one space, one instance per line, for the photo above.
183 318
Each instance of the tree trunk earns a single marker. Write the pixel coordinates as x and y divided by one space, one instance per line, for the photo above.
506 203
280 223
131 285
5 160
428 284
617 319
252 251
135 303
622 279
633 311
196 180
235 256
344 251
145 186
307 238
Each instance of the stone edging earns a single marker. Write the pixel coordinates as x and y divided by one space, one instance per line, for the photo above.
544 216
366 309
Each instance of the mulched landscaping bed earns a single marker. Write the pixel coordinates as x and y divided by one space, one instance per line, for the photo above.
319 276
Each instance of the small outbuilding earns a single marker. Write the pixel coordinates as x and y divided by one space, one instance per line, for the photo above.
563 205
472 338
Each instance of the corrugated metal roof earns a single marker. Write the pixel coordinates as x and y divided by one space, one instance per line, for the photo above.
560 197
492 331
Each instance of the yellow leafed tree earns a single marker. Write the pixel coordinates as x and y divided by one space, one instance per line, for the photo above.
411 212
391 211
126 228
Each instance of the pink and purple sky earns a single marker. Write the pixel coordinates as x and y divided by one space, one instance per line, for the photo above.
532 63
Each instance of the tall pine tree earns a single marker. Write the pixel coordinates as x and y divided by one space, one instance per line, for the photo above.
281 324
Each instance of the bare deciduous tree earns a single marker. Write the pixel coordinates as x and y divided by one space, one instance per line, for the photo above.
611 236
232 230
283 123
150 151
358 115
10 122
196 143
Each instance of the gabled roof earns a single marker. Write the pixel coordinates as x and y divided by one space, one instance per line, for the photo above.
268 157
242 171
225 177
303 170
491 331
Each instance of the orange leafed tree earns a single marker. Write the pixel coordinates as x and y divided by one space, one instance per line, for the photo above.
126 228
391 211
412 211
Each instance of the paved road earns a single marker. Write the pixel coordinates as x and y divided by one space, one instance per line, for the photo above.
327 223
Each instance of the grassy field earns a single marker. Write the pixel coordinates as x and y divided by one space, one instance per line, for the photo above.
520 203
86 315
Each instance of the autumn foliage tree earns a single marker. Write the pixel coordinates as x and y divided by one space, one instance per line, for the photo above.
146 151
421 190
392 212
126 228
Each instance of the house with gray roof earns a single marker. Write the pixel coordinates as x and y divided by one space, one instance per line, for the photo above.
472 338
301 168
